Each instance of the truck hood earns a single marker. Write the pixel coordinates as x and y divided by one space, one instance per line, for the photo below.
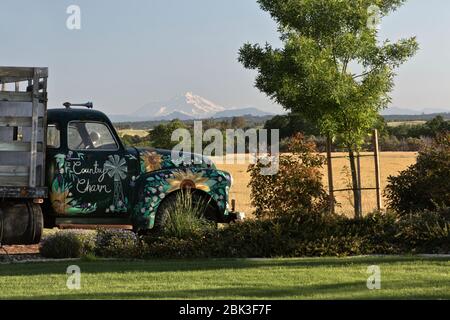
159 159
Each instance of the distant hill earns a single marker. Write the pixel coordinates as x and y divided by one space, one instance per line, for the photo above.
417 117
394 111
242 112
188 106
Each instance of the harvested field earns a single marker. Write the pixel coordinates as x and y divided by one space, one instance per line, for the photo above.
391 163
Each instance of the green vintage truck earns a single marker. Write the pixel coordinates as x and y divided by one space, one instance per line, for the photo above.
68 166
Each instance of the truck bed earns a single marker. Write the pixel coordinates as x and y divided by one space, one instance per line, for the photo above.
23 106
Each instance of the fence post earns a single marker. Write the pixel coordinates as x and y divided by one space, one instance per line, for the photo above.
358 169
377 169
330 175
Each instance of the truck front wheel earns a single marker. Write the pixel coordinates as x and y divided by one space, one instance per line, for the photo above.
21 223
210 210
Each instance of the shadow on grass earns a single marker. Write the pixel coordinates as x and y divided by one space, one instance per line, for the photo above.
345 290
154 266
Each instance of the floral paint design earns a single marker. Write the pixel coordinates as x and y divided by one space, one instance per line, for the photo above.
151 161
60 196
150 176
160 184
117 169
188 179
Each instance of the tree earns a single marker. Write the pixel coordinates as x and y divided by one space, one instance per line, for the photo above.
291 124
325 43
161 135
238 122
437 126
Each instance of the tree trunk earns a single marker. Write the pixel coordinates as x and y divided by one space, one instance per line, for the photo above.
356 186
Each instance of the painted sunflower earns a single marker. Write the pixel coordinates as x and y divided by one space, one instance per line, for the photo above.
60 201
152 161
188 180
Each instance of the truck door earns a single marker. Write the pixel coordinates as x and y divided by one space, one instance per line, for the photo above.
95 171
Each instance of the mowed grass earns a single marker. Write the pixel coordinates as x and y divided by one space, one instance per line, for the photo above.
391 163
311 278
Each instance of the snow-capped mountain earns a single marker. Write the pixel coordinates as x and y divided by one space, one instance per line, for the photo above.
188 105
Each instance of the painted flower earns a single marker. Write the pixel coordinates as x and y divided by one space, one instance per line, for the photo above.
188 180
60 201
116 167
152 161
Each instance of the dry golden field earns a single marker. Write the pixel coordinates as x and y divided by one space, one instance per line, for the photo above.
133 132
391 163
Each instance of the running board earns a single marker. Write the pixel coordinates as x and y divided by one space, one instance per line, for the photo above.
92 223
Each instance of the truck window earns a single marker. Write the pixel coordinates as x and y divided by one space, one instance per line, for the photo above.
90 136
53 136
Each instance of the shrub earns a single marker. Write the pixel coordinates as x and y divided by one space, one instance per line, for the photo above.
68 244
424 185
427 232
297 185
113 243
303 233
184 217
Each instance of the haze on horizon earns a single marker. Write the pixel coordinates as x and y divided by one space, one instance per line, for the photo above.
128 54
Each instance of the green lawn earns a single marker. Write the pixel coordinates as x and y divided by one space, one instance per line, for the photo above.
315 278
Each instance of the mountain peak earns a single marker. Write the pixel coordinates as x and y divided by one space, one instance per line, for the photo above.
189 106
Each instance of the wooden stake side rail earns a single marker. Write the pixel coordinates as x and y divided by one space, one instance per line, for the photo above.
23 125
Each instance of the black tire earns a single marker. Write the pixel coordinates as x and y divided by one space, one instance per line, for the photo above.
211 211
36 226
21 223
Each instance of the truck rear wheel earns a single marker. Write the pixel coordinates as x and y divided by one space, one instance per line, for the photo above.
21 223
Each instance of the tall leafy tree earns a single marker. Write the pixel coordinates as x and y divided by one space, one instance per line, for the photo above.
332 68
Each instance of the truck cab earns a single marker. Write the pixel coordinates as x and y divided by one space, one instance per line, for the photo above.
92 178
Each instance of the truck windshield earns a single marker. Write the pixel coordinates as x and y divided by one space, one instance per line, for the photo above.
90 136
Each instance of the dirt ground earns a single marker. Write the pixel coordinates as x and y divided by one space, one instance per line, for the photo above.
19 250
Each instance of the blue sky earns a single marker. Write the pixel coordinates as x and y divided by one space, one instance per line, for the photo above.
128 53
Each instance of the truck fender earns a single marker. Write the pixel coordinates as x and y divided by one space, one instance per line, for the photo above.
152 188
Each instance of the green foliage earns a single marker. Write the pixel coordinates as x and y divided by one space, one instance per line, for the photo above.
184 217
68 244
300 233
161 135
391 143
238 122
304 234
136 141
297 184
427 231
114 243
431 128
424 185
311 76
291 124
314 73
